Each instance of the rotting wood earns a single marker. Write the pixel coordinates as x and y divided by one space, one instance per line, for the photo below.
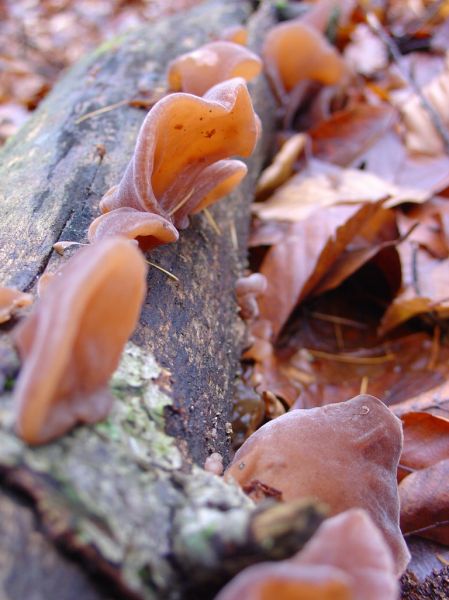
125 497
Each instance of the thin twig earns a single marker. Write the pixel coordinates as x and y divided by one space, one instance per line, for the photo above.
182 202
376 27
163 271
364 385
350 359
233 232
212 222
427 528
101 111
442 559
339 320
435 351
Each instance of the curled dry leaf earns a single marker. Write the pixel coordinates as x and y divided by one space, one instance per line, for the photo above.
321 184
424 498
426 288
11 300
426 440
421 135
180 161
296 265
282 165
434 401
197 71
347 134
345 455
72 341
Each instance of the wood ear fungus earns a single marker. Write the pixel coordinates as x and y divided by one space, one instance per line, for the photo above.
294 52
345 455
346 559
72 341
196 72
181 159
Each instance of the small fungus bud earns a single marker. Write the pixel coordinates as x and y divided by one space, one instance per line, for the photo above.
10 301
247 290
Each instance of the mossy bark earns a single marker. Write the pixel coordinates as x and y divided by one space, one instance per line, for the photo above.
128 496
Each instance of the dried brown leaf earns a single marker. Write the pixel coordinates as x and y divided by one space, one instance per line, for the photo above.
425 502
296 265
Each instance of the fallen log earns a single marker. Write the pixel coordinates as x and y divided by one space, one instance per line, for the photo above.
126 497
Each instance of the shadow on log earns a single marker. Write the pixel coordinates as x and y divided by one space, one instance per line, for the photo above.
127 496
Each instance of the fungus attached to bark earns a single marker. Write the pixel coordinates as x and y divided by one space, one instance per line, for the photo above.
294 52
196 72
72 341
12 299
351 542
237 34
346 558
180 164
247 290
345 455
150 230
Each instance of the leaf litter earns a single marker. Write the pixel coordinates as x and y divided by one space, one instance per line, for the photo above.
351 231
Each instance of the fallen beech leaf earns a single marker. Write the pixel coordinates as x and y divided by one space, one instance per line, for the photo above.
388 158
434 401
425 502
282 166
365 53
426 288
421 135
426 440
378 235
296 265
322 184
345 455
348 133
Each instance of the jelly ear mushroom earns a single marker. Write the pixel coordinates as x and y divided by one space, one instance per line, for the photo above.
237 34
72 341
347 557
11 300
196 72
286 581
181 159
345 455
148 229
351 542
294 52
